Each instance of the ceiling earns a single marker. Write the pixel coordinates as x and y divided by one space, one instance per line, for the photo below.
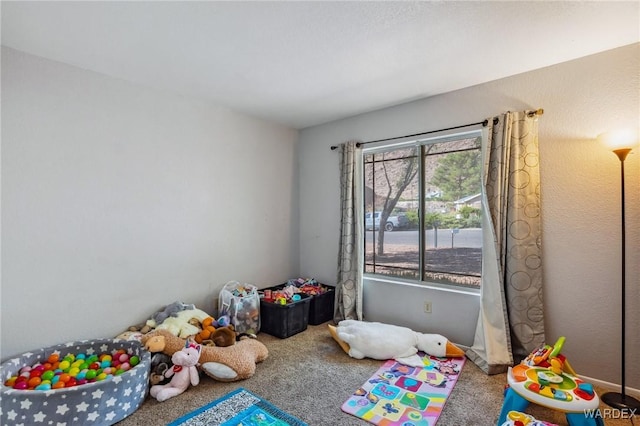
306 63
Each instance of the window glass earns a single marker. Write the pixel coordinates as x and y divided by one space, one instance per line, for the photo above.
390 194
438 180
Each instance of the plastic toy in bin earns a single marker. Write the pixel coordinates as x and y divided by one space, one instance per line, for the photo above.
241 303
321 307
286 317
308 286
281 297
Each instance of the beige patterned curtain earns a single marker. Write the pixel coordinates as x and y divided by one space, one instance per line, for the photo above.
349 284
511 322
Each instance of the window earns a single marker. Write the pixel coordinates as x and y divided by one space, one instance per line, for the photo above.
422 204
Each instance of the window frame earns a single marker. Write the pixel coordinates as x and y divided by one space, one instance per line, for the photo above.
475 131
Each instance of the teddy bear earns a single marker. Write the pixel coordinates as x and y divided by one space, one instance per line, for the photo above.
225 364
179 324
212 336
130 335
135 332
160 363
183 373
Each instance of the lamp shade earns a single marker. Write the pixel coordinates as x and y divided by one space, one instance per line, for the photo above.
619 139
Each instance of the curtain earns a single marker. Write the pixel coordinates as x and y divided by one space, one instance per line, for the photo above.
348 303
511 323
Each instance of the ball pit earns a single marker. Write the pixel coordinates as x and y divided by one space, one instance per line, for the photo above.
97 382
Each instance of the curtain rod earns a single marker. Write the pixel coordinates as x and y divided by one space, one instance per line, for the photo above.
484 123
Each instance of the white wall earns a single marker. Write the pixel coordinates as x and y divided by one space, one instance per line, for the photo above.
118 199
580 198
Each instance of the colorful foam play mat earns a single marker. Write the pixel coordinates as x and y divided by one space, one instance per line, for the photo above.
398 394
238 408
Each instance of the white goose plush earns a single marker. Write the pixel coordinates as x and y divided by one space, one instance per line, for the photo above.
376 340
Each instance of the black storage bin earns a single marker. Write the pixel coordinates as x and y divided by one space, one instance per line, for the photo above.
285 320
321 308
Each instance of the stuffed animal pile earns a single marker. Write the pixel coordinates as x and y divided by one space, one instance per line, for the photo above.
225 364
175 331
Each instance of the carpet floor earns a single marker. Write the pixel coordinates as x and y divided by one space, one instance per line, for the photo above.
310 377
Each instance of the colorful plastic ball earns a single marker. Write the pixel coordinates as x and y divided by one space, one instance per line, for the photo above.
21 385
47 375
58 385
34 381
134 360
44 386
53 358
64 365
35 373
91 374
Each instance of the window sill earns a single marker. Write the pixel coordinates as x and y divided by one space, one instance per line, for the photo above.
423 284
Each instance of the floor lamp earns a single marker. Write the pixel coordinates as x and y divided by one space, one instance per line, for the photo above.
620 143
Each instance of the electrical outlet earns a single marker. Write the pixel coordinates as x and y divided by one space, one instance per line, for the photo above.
427 307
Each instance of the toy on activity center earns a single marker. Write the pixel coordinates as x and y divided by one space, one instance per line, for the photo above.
183 373
516 418
546 378
376 340
225 364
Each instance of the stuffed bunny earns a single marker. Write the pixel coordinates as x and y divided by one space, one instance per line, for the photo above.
183 373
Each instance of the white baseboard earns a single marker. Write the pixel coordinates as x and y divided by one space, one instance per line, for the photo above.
611 386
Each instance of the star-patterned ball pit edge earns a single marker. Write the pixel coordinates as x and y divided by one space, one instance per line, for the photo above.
99 403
